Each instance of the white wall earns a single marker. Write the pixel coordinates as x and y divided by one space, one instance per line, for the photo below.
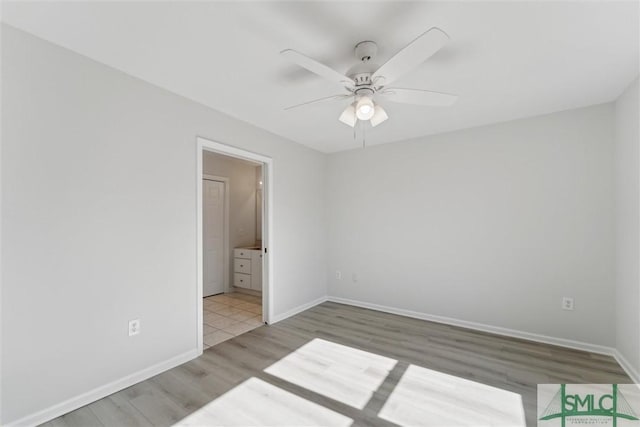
627 191
99 222
491 225
242 199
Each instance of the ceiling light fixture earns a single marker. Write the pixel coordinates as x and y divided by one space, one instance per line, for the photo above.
365 108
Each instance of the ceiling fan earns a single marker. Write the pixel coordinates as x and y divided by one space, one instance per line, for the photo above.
366 80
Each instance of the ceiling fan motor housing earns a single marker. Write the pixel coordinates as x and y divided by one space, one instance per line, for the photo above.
362 79
364 91
362 71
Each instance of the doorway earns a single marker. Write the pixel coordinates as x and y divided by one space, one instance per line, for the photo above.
234 221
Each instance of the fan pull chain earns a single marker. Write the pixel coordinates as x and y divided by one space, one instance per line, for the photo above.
360 125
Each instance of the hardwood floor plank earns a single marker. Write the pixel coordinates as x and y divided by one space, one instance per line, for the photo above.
81 417
154 404
116 411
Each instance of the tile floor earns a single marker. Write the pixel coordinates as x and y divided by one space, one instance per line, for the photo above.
228 315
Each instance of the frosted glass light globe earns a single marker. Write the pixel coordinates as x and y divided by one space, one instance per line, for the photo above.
364 108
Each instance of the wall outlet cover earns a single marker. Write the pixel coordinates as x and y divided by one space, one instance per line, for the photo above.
134 327
567 303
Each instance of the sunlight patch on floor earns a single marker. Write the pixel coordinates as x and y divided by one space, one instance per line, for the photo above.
339 372
429 398
258 403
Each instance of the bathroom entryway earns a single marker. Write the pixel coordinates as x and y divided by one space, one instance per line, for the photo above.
233 209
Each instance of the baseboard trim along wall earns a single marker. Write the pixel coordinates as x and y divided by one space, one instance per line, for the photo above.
562 342
635 375
83 399
299 309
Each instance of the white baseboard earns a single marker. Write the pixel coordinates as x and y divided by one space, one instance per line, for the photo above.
76 402
629 369
278 317
562 342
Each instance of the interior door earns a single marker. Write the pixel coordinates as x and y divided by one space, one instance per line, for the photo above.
213 238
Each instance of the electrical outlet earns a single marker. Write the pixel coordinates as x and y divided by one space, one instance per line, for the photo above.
134 327
354 277
338 274
567 303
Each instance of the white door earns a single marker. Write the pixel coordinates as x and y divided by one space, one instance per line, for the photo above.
213 236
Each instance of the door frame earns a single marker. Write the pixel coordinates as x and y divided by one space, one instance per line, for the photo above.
205 144
225 237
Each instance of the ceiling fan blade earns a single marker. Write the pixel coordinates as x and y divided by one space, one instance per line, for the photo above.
419 97
326 98
411 55
317 67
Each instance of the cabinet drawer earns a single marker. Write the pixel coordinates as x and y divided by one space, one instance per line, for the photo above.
242 253
242 265
241 280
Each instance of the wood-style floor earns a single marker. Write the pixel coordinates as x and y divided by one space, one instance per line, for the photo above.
341 365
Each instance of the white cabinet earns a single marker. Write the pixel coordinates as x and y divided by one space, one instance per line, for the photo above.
247 268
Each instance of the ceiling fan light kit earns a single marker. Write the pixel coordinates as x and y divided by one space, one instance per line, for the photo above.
364 108
366 81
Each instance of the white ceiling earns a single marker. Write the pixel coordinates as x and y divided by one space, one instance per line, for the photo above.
506 60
